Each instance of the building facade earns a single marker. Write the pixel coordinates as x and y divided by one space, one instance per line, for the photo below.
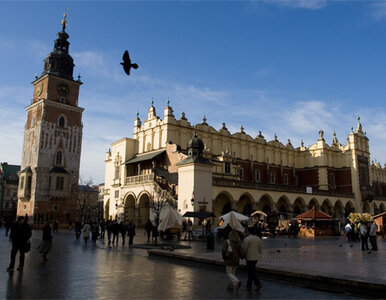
49 173
238 172
9 180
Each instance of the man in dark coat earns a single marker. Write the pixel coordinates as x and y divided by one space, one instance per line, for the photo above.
131 233
21 232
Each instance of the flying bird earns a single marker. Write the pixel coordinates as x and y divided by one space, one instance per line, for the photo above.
278 251
127 65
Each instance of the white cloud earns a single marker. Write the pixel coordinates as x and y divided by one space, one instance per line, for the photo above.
295 4
378 10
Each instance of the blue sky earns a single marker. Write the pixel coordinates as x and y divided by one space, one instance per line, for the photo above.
286 67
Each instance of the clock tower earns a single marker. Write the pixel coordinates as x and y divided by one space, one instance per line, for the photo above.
49 173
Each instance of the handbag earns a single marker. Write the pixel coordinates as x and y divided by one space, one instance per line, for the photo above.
27 247
229 251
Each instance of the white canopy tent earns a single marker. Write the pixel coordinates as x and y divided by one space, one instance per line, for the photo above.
233 219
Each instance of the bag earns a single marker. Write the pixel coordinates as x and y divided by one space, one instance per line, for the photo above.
27 247
228 253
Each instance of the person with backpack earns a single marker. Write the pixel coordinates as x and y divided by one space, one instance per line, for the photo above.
231 252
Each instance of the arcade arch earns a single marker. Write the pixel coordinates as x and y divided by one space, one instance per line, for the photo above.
129 212
245 205
366 207
222 204
299 206
283 206
348 208
327 207
143 209
313 202
107 210
265 203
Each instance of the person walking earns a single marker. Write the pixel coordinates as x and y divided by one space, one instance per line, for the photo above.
46 244
148 229
364 235
115 230
373 236
109 228
94 231
86 232
103 228
251 250
347 231
231 251
20 234
123 231
131 233
78 229
56 226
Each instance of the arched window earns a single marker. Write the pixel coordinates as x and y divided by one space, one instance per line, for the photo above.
59 158
62 122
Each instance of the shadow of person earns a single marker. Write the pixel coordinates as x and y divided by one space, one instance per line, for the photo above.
14 285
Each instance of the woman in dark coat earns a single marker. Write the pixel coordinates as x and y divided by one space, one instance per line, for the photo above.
231 252
131 233
94 231
46 243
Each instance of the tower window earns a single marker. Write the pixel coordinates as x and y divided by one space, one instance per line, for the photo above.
61 122
62 100
21 182
59 158
272 178
59 183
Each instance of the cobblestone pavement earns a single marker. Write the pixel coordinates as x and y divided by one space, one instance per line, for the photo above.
77 271
327 256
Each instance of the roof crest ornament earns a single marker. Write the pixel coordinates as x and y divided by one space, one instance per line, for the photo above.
64 21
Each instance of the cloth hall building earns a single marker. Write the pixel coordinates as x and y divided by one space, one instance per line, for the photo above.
204 169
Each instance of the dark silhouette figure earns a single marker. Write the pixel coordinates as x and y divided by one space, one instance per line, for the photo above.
21 233
127 65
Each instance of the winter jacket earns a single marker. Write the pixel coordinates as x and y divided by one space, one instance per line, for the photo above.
234 258
251 248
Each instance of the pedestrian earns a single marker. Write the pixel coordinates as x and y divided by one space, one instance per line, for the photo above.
123 231
56 226
364 234
78 229
347 231
103 228
373 236
46 244
109 228
94 231
8 226
115 231
148 229
231 251
251 250
131 233
21 233
86 232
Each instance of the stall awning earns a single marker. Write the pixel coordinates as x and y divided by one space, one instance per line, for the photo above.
144 156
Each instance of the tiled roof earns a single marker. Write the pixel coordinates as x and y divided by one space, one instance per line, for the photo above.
8 169
314 213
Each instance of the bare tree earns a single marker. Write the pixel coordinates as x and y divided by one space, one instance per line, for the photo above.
87 201
159 199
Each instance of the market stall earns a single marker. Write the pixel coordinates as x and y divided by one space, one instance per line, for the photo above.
314 223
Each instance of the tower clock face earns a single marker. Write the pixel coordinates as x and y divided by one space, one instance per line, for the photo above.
63 89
